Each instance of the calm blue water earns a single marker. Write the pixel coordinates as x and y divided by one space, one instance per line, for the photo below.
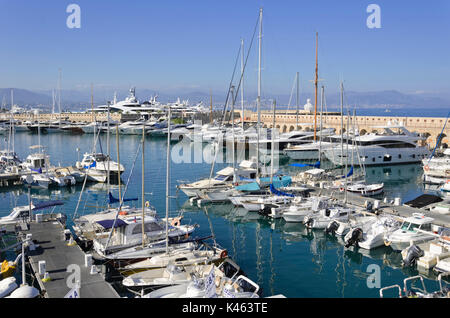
282 258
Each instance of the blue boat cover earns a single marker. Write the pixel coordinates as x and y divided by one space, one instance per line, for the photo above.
278 181
316 165
92 165
47 204
349 173
252 186
114 200
107 224
38 170
279 193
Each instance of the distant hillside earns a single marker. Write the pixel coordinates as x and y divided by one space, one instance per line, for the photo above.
81 99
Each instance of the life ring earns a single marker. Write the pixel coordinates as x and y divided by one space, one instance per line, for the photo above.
123 213
147 204
224 254
387 243
341 189
426 168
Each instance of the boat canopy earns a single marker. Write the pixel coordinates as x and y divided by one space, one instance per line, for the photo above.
300 165
114 200
280 193
47 204
107 224
251 186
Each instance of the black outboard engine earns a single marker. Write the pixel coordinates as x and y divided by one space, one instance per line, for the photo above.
308 222
412 255
331 227
355 236
266 210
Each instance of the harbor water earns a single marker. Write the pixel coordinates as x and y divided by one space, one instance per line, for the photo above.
283 258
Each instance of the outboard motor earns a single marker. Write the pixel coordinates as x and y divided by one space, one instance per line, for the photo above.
331 227
353 237
412 255
266 210
308 221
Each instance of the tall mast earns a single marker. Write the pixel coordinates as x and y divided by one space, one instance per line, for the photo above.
108 151
232 133
342 122
210 107
320 129
118 162
59 97
258 100
143 187
167 182
315 89
346 159
12 122
242 83
297 102
272 142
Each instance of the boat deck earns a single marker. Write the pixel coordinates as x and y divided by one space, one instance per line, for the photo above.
54 249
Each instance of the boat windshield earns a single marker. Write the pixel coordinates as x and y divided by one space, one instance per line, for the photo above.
405 226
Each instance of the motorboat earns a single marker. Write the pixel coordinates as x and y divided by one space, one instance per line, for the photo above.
414 230
297 211
323 217
385 148
371 235
222 180
97 165
436 170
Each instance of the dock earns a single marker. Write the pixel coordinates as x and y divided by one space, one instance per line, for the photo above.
52 247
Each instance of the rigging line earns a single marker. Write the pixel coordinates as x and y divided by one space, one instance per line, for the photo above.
231 84
245 64
292 93
84 181
123 196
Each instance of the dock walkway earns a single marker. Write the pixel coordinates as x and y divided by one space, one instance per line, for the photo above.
54 249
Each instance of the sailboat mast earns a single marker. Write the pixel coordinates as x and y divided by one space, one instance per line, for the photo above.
232 133
342 122
315 89
108 151
346 159
258 100
59 97
143 186
272 142
167 181
118 162
320 128
242 83
210 107
297 102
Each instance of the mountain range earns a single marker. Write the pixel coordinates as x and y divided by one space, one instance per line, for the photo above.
75 100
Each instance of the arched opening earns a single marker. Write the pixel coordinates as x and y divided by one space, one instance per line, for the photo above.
374 131
363 132
284 128
291 128
440 139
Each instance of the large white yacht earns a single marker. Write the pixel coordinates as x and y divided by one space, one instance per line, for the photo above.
96 166
384 148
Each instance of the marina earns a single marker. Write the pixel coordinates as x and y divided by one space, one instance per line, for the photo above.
148 196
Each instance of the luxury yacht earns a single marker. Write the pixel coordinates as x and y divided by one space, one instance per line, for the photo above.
381 149
96 166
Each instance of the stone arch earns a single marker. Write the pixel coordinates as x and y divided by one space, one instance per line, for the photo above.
374 131
284 128
277 126
441 138
363 132
291 128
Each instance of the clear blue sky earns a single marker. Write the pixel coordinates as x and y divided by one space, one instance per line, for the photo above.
191 45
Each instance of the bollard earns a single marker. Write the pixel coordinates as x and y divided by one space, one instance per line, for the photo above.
397 201
41 266
88 260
